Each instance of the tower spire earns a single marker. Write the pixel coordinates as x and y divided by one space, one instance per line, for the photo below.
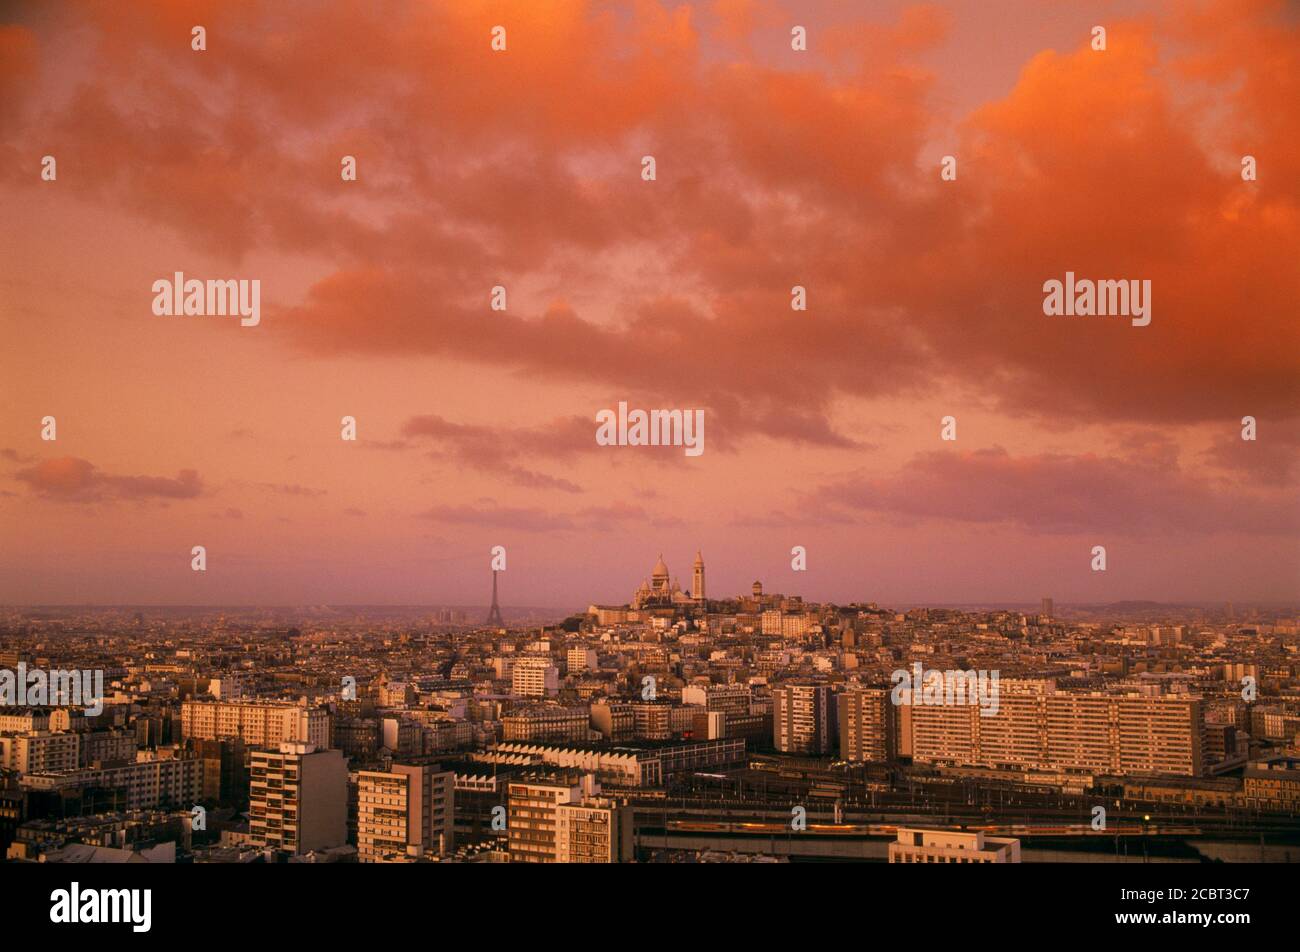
494 613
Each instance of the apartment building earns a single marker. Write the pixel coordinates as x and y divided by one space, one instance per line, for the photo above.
1038 727
595 830
581 659
1273 785
535 677
298 798
40 752
559 818
866 719
153 781
613 719
547 724
728 698
533 806
405 813
105 747
258 724
802 719
24 719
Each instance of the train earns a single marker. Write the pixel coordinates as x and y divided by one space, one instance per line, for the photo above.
755 828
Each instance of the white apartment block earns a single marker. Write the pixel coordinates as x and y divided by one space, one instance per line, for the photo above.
258 724
149 783
535 677
581 659
1038 727
40 752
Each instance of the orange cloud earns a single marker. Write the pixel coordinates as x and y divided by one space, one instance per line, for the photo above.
71 479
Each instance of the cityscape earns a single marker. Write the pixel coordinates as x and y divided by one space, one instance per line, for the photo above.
819 438
677 727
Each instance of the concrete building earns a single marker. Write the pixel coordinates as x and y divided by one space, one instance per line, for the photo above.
595 830
802 719
258 724
867 731
1038 727
547 723
728 698
105 748
581 659
404 813
951 846
41 752
533 812
1273 785
298 798
535 677
156 780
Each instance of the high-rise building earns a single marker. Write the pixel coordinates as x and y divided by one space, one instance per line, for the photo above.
867 729
225 776
581 658
405 812
802 719
594 830
559 818
533 812
298 798
535 677
1048 609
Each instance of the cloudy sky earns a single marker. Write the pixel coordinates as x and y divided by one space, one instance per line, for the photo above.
775 168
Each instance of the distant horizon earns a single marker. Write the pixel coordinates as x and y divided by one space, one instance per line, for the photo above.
994 603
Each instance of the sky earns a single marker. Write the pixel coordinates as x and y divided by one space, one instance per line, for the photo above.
522 168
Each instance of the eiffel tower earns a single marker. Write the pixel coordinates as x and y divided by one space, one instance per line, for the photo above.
494 613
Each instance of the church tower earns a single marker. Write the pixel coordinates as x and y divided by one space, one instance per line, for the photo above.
697 582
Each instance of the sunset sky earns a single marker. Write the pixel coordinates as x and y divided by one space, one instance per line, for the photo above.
775 168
